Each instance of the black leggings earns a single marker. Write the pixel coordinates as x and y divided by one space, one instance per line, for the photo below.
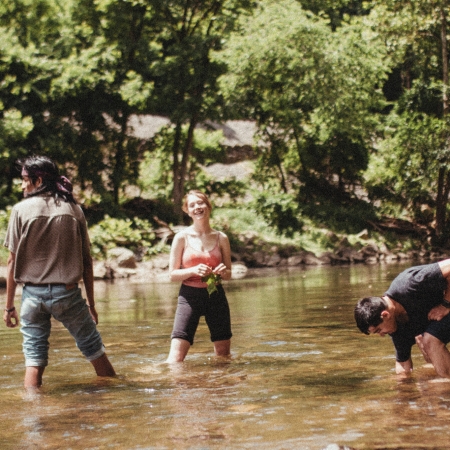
196 302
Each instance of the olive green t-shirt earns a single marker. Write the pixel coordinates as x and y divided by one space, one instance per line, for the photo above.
49 238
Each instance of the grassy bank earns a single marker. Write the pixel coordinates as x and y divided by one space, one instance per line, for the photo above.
247 231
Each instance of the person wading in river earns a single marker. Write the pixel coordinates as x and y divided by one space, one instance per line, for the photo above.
49 253
199 252
415 309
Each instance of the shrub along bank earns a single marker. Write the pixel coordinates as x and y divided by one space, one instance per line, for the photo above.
139 246
257 246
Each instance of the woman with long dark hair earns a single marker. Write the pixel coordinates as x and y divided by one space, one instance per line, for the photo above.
49 253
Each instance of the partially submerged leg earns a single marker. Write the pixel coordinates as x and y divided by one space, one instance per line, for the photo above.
35 329
178 350
218 320
438 354
33 376
222 348
102 366
419 342
77 318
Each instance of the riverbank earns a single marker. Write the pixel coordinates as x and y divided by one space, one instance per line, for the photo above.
123 263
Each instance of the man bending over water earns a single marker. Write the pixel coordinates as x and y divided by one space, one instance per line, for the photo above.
415 309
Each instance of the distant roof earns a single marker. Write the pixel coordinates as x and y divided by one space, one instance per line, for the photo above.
237 133
146 126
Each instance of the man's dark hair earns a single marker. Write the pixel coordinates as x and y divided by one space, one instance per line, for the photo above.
44 168
368 312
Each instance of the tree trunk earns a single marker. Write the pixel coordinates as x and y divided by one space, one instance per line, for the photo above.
444 175
444 44
182 167
440 203
120 160
178 184
9 180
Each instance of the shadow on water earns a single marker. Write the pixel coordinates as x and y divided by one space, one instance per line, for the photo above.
300 377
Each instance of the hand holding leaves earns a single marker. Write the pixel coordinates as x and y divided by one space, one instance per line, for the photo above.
212 280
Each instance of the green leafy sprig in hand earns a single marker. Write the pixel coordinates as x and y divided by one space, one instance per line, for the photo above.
212 280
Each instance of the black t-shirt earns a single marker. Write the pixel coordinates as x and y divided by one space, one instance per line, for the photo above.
418 289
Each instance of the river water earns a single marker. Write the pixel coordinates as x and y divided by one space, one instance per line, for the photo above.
301 375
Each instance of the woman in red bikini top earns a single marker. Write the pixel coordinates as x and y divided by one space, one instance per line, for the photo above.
196 252
199 250
193 256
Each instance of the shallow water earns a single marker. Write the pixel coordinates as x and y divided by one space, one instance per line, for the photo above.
301 375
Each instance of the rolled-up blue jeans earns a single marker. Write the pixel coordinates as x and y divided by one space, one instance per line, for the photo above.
39 304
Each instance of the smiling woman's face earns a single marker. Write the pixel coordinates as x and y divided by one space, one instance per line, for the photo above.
197 207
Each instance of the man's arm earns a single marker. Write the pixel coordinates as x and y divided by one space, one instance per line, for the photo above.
403 368
10 293
88 279
440 311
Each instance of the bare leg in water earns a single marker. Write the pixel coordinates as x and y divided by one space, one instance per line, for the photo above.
419 342
33 374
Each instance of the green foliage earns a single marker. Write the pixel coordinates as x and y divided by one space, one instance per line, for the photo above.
248 231
347 215
337 158
10 192
239 220
4 218
25 71
3 256
338 12
224 190
404 170
409 171
279 211
310 73
133 234
156 177
185 76
292 76
212 281
208 146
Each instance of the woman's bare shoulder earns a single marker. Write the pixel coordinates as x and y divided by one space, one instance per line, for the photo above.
222 236
180 236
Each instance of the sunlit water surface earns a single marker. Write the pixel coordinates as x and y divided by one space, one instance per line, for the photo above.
301 375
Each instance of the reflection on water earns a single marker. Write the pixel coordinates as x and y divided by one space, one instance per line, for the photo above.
301 375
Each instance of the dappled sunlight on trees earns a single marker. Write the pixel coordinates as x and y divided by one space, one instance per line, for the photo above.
349 100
